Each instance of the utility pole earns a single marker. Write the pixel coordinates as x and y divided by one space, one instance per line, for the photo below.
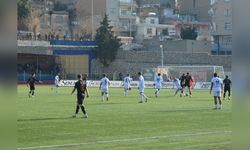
130 20
92 18
161 46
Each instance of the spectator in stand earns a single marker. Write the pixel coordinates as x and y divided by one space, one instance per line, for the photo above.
30 36
39 36
52 37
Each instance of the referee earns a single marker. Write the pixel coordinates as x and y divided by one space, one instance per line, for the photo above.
227 87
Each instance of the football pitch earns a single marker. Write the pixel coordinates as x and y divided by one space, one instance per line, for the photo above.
163 123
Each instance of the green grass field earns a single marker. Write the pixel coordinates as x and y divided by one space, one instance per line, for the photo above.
163 123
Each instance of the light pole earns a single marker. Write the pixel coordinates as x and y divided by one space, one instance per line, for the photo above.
92 19
130 19
161 46
192 52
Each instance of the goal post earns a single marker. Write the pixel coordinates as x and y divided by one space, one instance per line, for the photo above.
199 73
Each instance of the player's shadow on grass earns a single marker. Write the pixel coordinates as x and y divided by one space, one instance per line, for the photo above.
43 119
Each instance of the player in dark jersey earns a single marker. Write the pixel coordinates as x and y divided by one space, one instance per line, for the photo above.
182 82
227 87
187 83
81 87
31 83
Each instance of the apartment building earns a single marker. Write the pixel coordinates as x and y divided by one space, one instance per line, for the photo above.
122 15
194 10
221 22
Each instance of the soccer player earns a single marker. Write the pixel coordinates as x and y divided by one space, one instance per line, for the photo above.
182 80
227 87
31 83
216 86
141 88
178 87
104 85
126 82
157 84
188 80
56 82
81 87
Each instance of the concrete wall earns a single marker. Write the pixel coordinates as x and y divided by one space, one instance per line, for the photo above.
178 46
130 61
38 50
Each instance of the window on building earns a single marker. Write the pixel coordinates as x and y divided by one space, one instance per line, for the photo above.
152 21
125 1
227 13
59 19
212 2
149 31
124 12
228 26
112 10
227 40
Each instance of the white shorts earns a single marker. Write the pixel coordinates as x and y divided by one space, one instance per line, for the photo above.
158 87
178 89
141 90
217 93
126 87
104 90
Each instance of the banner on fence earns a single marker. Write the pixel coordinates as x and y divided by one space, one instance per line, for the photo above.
133 84
116 84
202 85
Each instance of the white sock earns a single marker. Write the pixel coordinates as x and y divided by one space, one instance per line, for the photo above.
144 96
126 92
158 91
141 97
103 98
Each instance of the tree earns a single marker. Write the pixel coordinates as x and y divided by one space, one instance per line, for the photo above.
188 33
107 43
23 11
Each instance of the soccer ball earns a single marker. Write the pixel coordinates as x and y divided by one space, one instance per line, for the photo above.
186 94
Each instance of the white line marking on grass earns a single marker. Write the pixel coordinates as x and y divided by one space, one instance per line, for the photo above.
205 144
123 140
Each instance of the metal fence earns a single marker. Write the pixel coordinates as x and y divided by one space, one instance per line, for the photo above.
49 77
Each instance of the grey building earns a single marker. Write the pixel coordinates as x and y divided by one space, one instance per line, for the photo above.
194 10
122 16
221 14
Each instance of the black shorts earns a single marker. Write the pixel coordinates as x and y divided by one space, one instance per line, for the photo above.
227 89
80 98
32 87
188 85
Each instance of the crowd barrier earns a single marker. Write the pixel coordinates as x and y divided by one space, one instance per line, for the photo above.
134 84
